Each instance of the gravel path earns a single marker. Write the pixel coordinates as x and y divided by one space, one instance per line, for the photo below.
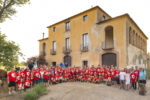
88 91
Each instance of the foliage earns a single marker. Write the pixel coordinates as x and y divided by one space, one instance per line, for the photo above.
9 52
148 73
39 59
7 8
35 92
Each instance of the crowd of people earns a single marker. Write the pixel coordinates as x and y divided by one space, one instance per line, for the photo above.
123 78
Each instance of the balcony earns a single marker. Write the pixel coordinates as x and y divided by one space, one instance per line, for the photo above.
43 53
66 50
107 46
53 52
84 48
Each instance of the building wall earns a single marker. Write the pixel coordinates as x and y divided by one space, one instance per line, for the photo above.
128 54
148 60
78 27
41 42
136 49
119 40
96 37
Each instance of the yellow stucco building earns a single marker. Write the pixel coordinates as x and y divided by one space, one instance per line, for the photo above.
93 37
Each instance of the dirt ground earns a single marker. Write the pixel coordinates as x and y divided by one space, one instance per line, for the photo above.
88 91
85 91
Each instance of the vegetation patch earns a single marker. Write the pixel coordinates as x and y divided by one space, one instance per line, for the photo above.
35 92
148 73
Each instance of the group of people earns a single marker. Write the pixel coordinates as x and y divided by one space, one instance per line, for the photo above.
123 78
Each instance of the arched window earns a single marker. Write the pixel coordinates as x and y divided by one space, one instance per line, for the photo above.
134 42
44 49
138 41
109 43
130 35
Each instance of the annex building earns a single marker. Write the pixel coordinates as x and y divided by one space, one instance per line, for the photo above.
93 37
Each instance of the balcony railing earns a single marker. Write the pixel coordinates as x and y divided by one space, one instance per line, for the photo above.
53 52
107 47
84 48
66 50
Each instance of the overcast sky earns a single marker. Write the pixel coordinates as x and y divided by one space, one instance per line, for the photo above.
27 26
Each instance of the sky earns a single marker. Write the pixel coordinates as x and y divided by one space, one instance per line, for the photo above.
31 20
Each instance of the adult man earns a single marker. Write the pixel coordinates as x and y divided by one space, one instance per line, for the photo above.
122 78
142 76
11 81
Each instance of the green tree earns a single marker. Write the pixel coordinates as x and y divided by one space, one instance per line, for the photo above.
9 52
7 8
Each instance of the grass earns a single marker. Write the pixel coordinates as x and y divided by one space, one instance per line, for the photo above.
35 92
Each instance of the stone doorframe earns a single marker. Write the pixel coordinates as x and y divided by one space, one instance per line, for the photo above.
110 51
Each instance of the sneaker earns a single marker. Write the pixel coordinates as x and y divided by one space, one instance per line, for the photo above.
9 93
13 91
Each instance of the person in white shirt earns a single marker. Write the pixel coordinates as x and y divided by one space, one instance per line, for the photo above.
122 78
127 79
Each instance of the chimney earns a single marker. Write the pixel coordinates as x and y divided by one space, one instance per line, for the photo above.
43 35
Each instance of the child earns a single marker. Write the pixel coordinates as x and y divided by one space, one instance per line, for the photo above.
19 81
108 79
133 80
95 79
127 80
27 84
37 75
45 77
122 78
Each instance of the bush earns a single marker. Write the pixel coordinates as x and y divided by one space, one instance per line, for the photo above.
35 92
148 73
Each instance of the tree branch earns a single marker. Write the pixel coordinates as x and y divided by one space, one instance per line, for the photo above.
5 7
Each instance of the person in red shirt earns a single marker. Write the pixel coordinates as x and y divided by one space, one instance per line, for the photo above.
27 73
11 81
27 84
37 76
136 71
22 74
95 79
109 79
133 77
46 76
19 81
113 74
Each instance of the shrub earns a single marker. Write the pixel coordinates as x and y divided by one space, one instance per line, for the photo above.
148 73
39 89
30 95
35 92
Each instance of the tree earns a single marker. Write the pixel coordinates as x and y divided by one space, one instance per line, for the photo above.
7 8
40 60
9 52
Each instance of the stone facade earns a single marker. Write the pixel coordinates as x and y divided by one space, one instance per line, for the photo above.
114 41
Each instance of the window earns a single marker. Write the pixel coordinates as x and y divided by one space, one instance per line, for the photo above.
85 63
54 29
103 18
54 46
44 49
67 43
85 18
67 25
53 63
85 40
